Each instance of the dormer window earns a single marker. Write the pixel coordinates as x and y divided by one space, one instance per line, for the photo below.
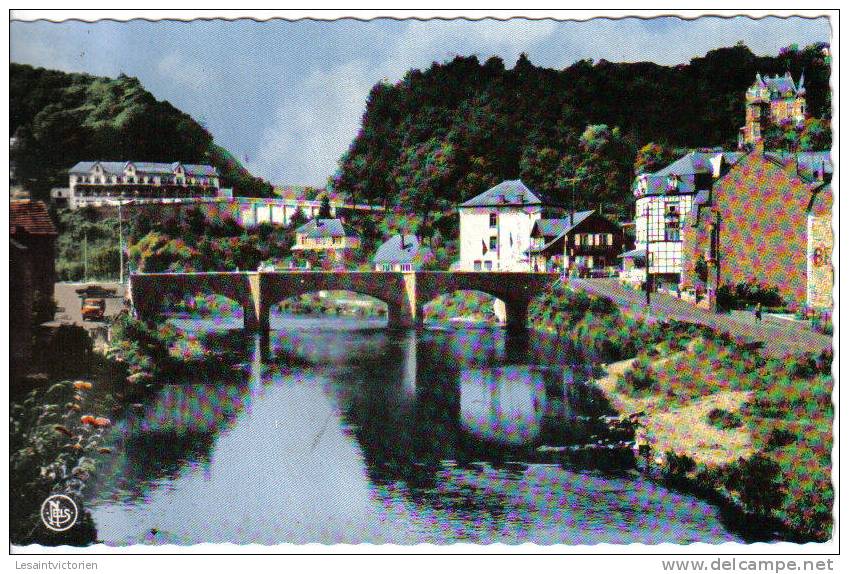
502 198
672 183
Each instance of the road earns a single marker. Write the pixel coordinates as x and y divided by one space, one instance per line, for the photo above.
69 303
778 339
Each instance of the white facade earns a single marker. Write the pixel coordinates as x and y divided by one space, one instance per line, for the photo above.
662 216
496 238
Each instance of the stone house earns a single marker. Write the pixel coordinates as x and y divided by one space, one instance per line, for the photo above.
775 99
753 226
32 255
663 202
820 247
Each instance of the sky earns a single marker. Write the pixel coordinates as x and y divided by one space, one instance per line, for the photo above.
286 98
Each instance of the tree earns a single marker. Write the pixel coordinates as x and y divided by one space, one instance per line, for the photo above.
324 210
652 157
816 135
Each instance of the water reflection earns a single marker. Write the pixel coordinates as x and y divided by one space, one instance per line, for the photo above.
348 433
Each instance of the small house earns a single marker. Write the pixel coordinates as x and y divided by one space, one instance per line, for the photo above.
325 235
585 243
401 253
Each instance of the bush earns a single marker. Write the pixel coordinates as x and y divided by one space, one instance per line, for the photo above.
748 294
778 438
758 482
639 378
725 420
677 466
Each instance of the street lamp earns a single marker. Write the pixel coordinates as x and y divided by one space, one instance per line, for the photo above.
573 181
120 204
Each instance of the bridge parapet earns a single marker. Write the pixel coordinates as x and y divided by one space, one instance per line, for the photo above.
405 293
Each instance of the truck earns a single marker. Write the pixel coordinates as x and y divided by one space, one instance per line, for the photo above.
93 309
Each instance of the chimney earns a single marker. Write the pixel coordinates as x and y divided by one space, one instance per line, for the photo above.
403 244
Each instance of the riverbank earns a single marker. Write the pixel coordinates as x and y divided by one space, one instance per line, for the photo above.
718 417
61 414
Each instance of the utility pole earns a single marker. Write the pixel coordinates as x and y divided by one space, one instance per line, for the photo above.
648 256
573 181
120 246
85 257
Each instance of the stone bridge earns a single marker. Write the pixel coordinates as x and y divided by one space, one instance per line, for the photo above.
405 293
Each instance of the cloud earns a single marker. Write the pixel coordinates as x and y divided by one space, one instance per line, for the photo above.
313 127
312 130
291 95
189 73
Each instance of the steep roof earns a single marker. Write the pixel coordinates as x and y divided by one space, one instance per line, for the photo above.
558 226
698 162
200 169
392 252
318 228
30 217
117 167
686 168
565 228
506 193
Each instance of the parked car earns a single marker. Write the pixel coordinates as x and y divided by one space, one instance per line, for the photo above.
93 309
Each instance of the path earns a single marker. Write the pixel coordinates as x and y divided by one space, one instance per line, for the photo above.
778 339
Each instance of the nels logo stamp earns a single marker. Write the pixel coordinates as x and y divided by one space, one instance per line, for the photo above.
59 512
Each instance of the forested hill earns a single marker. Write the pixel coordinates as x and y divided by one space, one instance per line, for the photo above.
442 135
60 119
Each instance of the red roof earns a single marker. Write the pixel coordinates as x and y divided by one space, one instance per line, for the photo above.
31 217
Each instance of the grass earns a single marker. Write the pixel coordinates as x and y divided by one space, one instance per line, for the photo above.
757 430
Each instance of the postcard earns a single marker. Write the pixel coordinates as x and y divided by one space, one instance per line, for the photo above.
386 282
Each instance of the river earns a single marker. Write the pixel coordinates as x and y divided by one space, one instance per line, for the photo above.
346 432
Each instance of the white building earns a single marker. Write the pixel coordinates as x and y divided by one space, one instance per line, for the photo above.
663 200
401 253
495 228
100 183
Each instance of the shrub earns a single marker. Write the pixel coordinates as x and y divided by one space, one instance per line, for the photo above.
639 378
725 420
677 465
758 482
778 438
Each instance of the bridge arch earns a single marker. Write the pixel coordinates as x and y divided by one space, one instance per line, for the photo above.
149 291
395 290
516 290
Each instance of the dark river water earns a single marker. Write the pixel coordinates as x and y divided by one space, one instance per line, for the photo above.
346 432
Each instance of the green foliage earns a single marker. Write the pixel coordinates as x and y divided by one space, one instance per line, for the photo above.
725 420
748 294
187 239
639 378
51 452
652 157
677 466
468 304
87 246
60 119
456 128
759 483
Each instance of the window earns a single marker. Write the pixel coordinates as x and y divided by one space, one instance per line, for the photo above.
672 222
487 265
477 265
602 239
493 220
493 242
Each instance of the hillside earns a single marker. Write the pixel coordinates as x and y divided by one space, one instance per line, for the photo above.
442 135
60 119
